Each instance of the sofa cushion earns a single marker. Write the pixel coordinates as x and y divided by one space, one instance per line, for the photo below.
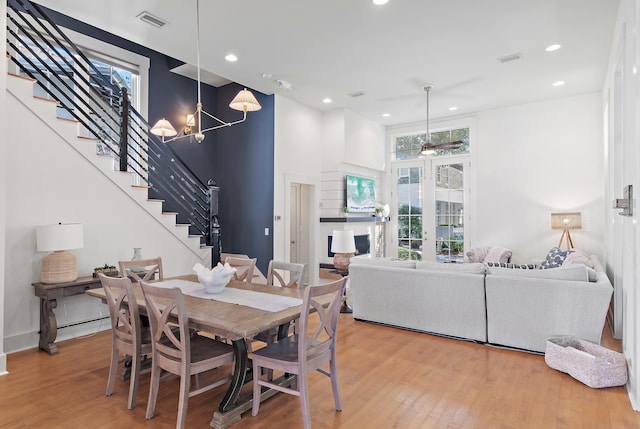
555 258
498 254
575 272
384 262
471 268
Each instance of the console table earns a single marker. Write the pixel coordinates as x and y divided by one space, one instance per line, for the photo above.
48 294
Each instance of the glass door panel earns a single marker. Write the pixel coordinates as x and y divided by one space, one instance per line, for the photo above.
409 187
447 211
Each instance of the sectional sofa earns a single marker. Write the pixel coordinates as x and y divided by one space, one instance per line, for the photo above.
513 307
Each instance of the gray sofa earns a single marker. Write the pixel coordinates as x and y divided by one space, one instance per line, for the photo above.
503 306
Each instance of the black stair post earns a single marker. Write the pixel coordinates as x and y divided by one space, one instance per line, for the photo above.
214 239
124 128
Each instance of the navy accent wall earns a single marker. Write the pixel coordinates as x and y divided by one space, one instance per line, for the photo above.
244 173
239 158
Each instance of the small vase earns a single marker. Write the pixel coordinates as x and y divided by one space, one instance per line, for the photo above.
137 255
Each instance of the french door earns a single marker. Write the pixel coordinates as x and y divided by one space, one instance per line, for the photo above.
430 208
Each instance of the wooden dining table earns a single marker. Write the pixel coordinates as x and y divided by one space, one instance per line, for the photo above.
237 323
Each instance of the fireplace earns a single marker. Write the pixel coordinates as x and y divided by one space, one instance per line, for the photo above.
363 245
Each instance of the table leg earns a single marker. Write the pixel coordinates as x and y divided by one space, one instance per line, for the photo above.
239 375
48 326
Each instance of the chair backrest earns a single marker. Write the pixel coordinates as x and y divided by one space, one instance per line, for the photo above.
164 305
123 308
224 256
245 267
316 341
279 271
141 269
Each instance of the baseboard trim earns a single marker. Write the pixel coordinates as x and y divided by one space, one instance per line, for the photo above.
29 340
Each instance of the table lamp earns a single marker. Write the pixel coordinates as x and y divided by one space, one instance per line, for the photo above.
343 245
59 266
565 222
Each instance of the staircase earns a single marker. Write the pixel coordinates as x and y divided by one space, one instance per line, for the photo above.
97 112
21 89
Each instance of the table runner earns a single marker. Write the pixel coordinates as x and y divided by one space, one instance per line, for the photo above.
260 300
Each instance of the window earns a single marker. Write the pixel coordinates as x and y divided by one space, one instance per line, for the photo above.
451 142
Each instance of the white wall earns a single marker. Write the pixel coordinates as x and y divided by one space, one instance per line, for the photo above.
3 179
298 155
49 182
534 159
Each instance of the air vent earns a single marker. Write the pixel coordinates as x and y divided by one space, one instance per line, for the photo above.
151 19
512 57
357 94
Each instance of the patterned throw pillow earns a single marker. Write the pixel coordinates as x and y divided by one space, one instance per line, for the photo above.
498 254
555 258
513 266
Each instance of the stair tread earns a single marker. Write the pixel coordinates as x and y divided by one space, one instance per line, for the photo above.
141 186
48 100
154 200
22 77
87 138
67 119
169 213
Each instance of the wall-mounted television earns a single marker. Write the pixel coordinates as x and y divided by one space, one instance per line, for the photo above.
361 194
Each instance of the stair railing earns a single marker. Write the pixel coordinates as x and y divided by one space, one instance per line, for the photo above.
100 103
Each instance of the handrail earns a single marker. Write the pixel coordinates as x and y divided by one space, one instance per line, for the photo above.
100 104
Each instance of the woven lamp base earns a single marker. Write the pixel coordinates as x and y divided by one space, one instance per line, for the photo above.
341 261
58 267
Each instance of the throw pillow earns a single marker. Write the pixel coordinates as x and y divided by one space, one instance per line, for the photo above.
555 258
477 254
578 257
498 254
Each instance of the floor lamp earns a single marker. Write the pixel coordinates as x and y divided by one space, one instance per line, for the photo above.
566 222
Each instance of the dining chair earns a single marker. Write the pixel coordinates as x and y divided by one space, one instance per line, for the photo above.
141 269
245 267
181 353
127 335
285 274
308 350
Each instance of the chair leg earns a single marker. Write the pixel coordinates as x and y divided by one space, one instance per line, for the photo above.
133 383
304 399
334 382
183 402
153 388
256 389
113 369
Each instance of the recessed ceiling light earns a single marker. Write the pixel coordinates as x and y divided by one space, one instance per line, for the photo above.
231 58
326 100
386 115
552 48
380 2
558 83
452 108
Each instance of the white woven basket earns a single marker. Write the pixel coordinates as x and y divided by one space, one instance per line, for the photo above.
593 365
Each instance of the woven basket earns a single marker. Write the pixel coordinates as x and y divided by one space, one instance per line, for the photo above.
593 365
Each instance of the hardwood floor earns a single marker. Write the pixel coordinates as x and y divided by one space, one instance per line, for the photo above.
389 378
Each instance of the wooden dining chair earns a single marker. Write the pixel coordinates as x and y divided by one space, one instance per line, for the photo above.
142 269
308 350
128 336
245 267
285 274
182 353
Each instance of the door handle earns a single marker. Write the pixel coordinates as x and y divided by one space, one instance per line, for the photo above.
626 203
292 242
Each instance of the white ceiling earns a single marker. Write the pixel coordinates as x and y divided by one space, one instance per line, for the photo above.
333 48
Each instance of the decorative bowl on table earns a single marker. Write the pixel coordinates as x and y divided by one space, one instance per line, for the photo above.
215 280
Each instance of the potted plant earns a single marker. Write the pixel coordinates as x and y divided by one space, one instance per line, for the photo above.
107 270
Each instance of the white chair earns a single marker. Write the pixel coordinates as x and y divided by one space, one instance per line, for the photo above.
308 350
183 354
285 274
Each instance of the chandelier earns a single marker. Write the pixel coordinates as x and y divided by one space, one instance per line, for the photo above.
244 102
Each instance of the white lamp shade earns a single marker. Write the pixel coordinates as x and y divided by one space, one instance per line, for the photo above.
566 220
163 128
343 241
59 237
245 101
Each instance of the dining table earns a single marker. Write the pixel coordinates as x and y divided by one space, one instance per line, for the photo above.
237 314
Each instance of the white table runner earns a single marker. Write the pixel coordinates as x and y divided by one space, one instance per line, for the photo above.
260 300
